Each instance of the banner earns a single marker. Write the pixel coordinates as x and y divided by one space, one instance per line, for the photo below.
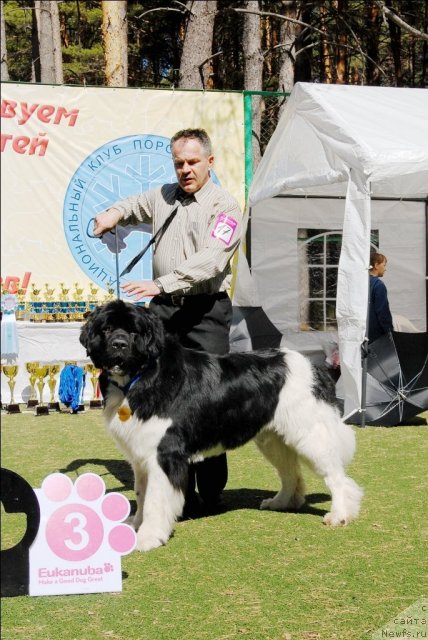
69 153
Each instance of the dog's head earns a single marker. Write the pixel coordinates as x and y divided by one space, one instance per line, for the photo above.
122 338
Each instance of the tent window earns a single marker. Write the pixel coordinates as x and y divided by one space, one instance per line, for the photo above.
319 252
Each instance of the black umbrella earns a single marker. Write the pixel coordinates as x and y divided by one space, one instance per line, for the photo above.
397 379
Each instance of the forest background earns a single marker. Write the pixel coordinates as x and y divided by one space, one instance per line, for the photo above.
250 45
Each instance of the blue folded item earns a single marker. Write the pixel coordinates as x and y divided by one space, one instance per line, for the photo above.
71 386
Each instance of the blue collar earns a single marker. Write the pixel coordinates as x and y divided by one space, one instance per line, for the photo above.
126 387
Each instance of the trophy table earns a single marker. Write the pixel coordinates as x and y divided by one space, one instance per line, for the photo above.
11 371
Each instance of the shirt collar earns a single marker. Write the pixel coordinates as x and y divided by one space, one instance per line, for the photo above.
186 198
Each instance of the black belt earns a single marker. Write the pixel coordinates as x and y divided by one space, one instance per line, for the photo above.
175 300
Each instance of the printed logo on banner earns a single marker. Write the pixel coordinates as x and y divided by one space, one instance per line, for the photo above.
81 537
120 168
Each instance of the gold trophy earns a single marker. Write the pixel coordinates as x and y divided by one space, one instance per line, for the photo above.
110 294
78 292
31 368
20 296
64 292
90 369
35 293
92 297
53 370
11 371
49 293
41 373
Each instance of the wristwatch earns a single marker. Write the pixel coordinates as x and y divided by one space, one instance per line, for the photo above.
159 285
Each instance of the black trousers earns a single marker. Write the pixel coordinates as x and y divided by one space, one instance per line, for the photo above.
200 322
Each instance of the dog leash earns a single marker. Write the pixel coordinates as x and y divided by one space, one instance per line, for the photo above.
126 387
124 412
158 235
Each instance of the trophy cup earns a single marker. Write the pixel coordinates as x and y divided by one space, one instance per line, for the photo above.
11 371
35 307
31 368
20 296
64 292
50 304
90 369
41 373
110 294
63 303
53 370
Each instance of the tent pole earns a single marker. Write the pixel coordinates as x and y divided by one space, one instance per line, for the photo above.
426 262
364 356
117 263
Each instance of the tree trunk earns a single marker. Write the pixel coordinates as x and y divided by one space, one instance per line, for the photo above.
342 41
326 71
288 37
35 39
253 71
56 39
46 44
115 40
4 67
197 46
304 58
373 29
395 35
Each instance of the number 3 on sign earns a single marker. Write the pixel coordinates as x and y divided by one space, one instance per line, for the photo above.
81 537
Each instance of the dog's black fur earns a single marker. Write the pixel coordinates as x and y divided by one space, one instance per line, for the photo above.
206 403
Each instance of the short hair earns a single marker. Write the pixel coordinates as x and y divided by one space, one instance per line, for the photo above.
376 258
196 134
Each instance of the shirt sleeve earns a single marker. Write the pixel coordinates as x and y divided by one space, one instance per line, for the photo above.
136 208
221 240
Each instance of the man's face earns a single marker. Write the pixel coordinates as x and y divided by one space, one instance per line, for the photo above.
191 163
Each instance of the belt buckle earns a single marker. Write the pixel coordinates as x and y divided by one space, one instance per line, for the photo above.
177 301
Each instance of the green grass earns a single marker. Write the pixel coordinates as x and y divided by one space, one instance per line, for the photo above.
242 573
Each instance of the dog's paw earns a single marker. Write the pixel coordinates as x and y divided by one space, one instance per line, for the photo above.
271 504
280 503
147 542
336 520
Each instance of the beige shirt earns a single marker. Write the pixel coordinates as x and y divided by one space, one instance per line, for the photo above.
193 255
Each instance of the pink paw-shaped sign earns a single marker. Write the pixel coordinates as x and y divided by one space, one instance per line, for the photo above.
81 537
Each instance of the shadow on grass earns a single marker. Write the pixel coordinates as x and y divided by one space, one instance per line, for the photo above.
231 499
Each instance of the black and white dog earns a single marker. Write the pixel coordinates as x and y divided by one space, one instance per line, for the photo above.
167 406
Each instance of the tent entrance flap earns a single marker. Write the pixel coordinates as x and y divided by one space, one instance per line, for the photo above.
352 287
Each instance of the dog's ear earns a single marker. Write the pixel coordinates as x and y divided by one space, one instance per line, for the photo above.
150 337
86 332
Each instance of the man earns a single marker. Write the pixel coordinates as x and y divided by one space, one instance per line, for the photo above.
380 318
191 266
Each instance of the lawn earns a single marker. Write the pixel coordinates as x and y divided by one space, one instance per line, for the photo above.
241 573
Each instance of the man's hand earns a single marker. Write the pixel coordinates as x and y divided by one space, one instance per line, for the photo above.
140 289
105 221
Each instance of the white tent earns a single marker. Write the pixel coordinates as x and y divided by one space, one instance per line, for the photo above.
361 144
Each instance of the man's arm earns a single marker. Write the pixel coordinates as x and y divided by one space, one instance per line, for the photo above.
131 210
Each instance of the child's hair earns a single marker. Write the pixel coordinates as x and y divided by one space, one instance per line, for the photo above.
376 258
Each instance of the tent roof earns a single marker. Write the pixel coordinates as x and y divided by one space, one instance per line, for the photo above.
325 130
